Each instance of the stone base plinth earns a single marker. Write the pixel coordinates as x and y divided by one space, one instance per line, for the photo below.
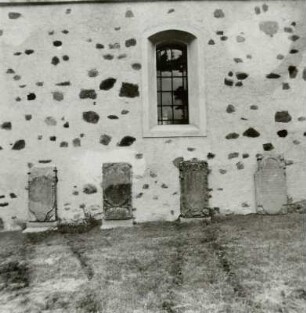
109 224
204 220
36 227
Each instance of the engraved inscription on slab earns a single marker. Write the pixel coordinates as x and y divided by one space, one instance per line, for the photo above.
194 188
270 186
117 191
42 194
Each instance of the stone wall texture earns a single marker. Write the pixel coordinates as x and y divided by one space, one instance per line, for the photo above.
71 97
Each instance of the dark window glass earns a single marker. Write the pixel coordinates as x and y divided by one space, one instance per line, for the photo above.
172 84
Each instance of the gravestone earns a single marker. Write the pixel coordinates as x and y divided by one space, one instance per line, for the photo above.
42 194
270 185
117 191
194 189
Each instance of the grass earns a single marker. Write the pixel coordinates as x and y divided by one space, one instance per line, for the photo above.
237 264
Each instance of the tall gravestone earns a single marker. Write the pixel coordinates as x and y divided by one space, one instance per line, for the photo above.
270 185
42 194
117 191
194 189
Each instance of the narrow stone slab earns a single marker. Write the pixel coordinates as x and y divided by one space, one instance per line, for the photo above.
204 220
194 189
110 224
37 227
42 194
117 191
270 186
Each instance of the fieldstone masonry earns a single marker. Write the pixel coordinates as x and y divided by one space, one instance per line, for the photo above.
270 185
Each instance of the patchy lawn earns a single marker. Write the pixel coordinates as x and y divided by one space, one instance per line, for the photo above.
237 264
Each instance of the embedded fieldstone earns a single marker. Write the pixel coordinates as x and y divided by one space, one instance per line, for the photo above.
294 37
108 83
211 42
228 82
3 204
57 43
301 118
282 133
254 107
139 195
218 13
241 75
1 224
136 66
270 28
65 83
129 90
176 162
239 84
293 71
139 156
76 142
251 132
268 146
121 56
190 149
108 57
58 96
88 94
286 86
210 155
126 141
14 15
65 57
130 42
238 60
115 45
6 125
240 165
230 108
89 189
257 10
145 186
19 145
105 139
28 117
52 138
293 51
282 117
93 73
233 155
273 76
1 32
113 117
124 112
129 13
64 144
28 51
50 121
91 117
223 38
66 125
240 39
44 161
232 136
245 155
304 74
164 186
31 96
99 46
55 61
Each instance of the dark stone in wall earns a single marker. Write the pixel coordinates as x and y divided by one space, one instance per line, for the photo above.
107 83
286 86
224 38
121 56
65 57
293 71
176 161
282 117
57 43
1 32
233 155
64 144
52 138
228 82
254 107
50 121
139 156
251 132
29 51
282 133
293 51
232 136
240 165
44 161
91 117
270 28
10 71
268 146
129 90
129 13
105 139
130 42
66 125
113 117
304 74
31 96
3 204
58 96
211 42
93 73
89 189
126 141
55 61
273 76
66 83
108 56
1 224
241 76
136 66
28 117
124 112
99 46
19 145
218 13
245 155
6 125
14 15
210 155
230 108
88 94
76 142
294 37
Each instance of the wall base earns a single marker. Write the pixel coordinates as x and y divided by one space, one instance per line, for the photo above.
109 224
37 227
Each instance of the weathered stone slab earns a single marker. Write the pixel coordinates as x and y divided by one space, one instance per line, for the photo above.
117 191
194 189
42 194
270 186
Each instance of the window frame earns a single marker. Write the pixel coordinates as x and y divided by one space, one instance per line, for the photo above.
196 93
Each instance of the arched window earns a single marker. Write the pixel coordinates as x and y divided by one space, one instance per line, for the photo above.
172 83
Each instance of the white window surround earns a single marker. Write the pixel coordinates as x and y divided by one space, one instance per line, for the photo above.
196 88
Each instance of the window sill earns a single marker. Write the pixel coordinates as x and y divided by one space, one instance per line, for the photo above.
174 131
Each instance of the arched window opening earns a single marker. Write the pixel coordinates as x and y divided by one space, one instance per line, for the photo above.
172 83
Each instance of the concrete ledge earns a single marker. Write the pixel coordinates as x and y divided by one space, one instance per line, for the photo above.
109 224
37 227
204 220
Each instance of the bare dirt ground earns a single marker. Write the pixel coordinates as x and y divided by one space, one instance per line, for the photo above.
237 264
